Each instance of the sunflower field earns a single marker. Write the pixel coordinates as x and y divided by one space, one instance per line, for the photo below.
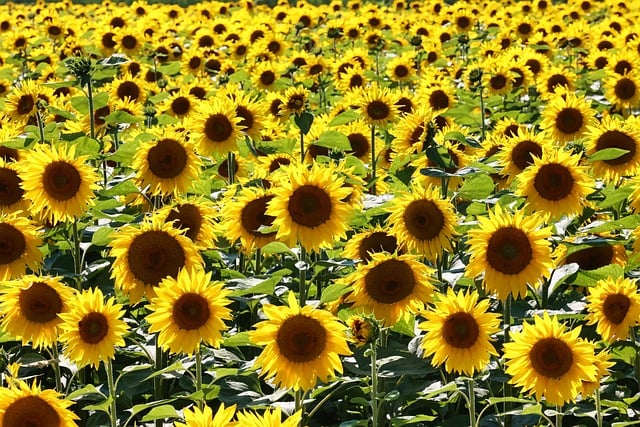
339 213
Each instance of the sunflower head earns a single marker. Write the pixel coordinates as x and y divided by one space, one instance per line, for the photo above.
614 307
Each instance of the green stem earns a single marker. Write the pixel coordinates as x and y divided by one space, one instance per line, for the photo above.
482 125
201 401
374 382
636 362
301 147
507 385
472 402
230 167
77 255
56 367
258 266
299 401
372 190
92 119
558 417
40 126
598 407
112 393
157 380
302 271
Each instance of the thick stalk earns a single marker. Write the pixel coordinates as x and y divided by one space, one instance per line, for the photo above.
372 190
201 401
482 125
92 119
40 126
56 367
636 362
507 385
374 382
230 167
258 265
598 407
77 255
157 380
303 276
112 393
558 416
472 402
299 401
301 147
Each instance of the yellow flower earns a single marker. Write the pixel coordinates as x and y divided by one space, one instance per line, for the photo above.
614 307
21 405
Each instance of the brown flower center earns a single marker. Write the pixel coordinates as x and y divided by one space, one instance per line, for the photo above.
31 411
301 338
390 281
439 100
592 258
10 190
167 159
129 90
8 154
625 89
553 182
246 117
617 139
460 330
191 311
378 241
181 105
417 134
186 216
254 216
498 82
534 65
616 307
218 128
378 110
551 357
129 42
267 77
61 180
359 144
25 104
310 206
424 219
555 81
195 62
401 71
509 250
12 244
522 154
154 255
93 327
277 163
622 67
569 121
40 303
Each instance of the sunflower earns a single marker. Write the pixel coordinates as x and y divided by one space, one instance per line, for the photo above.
128 87
180 104
352 79
623 91
547 360
264 75
590 256
195 216
377 105
511 250
19 241
401 68
245 216
439 95
308 206
270 418
21 405
22 103
302 345
362 329
252 113
11 192
362 245
459 330
196 417
390 286
215 127
411 133
59 185
93 329
613 306
359 136
167 164
556 184
567 117
30 308
188 310
519 151
555 78
146 255
497 78
422 221
603 363
294 100
614 132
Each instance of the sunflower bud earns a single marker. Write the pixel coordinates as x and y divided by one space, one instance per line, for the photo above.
81 68
363 330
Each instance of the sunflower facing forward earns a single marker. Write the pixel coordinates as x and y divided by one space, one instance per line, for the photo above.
547 360
566 117
30 308
215 127
423 221
19 241
21 405
146 255
613 132
59 184
556 185
93 329
511 250
391 286
302 345
188 310
459 332
614 307
308 206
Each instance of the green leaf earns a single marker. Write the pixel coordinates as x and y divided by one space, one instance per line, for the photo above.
174 367
304 121
161 412
239 76
333 292
412 419
102 406
275 248
102 236
86 146
343 118
170 68
628 222
590 277
123 188
479 186
241 339
447 388
84 391
264 287
121 116
456 136
334 140
614 196
608 154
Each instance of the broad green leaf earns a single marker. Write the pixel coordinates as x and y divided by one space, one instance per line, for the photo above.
121 116
590 277
476 187
241 339
333 292
161 412
86 146
170 68
239 76
174 367
334 140
304 121
628 222
123 188
84 391
345 117
102 236
264 287
608 154
614 196
102 406
275 248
